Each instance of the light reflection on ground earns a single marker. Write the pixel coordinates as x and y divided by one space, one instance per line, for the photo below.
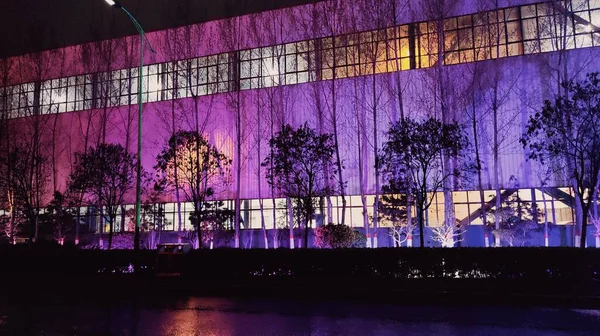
223 317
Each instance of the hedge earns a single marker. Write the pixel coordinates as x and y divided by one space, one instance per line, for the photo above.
531 264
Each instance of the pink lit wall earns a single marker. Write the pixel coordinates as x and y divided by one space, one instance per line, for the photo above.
525 82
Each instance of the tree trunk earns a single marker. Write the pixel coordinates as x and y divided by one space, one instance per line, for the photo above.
38 203
36 182
238 187
307 221
317 88
361 150
482 201
545 215
274 200
409 219
259 178
12 220
54 170
262 220
197 224
176 173
290 214
376 157
595 202
37 224
110 233
338 160
238 142
276 238
496 159
421 220
447 162
397 56
86 140
584 223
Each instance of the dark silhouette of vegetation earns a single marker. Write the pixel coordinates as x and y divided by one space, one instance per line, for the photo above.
338 236
201 170
297 166
413 157
566 132
24 180
104 174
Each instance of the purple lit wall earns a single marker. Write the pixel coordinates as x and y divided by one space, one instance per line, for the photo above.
524 82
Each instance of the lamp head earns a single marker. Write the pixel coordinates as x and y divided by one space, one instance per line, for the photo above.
113 3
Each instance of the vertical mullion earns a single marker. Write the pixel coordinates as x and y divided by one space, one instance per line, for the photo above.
413 45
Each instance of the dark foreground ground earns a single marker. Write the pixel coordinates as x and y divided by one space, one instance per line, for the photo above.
301 292
88 314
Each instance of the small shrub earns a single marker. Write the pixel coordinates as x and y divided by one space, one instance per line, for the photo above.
334 236
122 241
360 240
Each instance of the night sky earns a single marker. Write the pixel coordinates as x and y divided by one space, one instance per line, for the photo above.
33 25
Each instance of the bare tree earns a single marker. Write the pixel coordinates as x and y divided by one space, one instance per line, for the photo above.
476 120
439 10
33 102
374 52
103 91
261 105
448 235
172 45
398 48
6 199
199 79
360 123
24 177
182 80
490 91
232 34
278 98
330 62
55 107
401 232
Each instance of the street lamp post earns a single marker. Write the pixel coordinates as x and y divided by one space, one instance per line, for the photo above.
138 180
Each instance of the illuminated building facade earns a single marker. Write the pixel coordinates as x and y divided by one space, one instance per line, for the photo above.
353 67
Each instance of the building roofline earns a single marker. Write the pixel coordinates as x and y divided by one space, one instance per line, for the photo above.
38 25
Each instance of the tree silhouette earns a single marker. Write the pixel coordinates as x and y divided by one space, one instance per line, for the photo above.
104 174
201 168
297 165
413 156
24 181
567 132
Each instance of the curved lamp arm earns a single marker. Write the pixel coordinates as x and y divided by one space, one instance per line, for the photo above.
137 25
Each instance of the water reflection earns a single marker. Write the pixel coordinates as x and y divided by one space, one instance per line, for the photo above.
221 317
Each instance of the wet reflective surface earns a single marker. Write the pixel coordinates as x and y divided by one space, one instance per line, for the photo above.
227 317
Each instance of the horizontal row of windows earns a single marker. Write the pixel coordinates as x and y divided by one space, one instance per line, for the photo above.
528 29
552 205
